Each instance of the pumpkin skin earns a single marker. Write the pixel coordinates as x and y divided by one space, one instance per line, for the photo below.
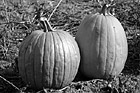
103 45
48 59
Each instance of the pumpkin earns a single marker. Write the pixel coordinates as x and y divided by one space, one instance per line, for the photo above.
103 45
48 59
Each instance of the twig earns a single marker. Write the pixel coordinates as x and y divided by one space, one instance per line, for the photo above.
10 83
54 10
22 22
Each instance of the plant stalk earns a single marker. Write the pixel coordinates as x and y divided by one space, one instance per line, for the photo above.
10 83
46 24
104 10
54 10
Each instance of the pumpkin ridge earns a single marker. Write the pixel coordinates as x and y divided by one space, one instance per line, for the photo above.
75 51
39 63
61 85
100 61
26 45
111 48
73 47
25 67
61 56
34 42
43 74
52 44
93 32
36 59
77 39
54 83
84 23
27 58
90 18
47 59
69 48
106 62
70 70
106 50
43 62
115 46
71 59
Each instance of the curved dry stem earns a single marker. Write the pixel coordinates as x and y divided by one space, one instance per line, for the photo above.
46 24
54 10
10 83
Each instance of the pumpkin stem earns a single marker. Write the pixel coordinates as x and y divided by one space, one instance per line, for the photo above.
47 26
104 10
107 9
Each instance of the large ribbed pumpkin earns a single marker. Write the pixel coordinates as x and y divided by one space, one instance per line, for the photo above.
48 59
103 45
